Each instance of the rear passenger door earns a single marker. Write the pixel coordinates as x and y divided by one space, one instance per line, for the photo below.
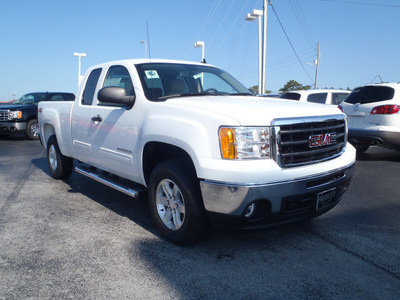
82 125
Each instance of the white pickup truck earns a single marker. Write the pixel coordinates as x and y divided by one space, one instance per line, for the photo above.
207 150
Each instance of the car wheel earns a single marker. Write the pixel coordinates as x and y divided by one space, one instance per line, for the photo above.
176 204
32 129
361 148
60 166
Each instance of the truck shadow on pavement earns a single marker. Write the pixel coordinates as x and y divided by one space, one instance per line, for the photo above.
379 154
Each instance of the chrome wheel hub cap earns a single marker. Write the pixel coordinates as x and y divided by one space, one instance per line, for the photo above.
170 204
53 157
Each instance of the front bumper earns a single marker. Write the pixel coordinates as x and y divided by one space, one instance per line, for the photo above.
389 139
11 127
275 203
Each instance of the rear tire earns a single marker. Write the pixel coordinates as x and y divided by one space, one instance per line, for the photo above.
176 204
32 129
60 166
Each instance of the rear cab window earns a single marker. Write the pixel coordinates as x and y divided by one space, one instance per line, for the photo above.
370 94
317 98
91 83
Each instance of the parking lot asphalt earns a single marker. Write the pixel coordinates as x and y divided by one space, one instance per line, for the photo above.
78 239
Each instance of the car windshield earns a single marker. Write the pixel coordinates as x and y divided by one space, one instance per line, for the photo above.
161 81
33 98
369 94
290 96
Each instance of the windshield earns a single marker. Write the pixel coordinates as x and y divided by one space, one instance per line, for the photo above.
166 80
290 96
369 94
33 98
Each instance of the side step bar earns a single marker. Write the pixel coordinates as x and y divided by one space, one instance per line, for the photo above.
109 181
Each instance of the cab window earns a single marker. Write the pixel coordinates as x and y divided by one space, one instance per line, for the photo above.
317 98
88 93
119 76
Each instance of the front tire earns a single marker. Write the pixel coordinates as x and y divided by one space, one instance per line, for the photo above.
176 204
32 129
60 166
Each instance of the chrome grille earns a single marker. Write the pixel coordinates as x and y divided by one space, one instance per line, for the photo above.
4 115
292 139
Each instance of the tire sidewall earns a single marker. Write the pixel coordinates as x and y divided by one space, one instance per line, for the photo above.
194 225
64 164
29 133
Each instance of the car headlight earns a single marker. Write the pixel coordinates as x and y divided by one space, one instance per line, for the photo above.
15 115
245 142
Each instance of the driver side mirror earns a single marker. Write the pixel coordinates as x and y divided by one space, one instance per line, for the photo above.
115 95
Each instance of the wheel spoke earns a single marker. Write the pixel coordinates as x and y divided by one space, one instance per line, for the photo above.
180 208
177 219
167 190
163 200
167 215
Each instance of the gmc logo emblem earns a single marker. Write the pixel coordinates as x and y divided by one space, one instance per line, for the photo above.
322 140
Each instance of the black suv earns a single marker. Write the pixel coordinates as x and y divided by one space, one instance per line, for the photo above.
21 116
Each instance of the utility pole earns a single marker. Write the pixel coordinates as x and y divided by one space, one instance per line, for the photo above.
316 70
264 46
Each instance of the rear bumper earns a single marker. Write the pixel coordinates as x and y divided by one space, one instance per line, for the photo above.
11 127
374 137
275 203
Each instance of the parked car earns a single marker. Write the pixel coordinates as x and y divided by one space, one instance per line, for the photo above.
373 116
21 116
334 97
203 145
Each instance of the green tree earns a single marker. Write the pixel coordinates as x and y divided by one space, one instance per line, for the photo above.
254 90
293 85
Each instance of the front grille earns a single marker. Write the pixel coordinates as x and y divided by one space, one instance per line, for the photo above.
4 115
293 140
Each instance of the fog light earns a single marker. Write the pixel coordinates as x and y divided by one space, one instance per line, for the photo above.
249 211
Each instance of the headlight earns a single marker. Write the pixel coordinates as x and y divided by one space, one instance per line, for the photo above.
244 142
15 115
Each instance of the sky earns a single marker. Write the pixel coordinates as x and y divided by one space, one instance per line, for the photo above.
359 39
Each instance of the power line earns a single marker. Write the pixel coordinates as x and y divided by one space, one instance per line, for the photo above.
291 45
362 3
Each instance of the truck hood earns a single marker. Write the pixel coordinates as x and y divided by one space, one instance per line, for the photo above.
252 111
16 106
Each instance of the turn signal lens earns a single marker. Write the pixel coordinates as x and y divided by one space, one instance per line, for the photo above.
227 139
340 107
385 110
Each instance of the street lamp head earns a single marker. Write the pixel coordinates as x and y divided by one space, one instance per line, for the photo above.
80 54
257 13
249 17
199 44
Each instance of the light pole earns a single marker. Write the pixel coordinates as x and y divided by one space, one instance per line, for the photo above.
145 48
257 14
79 65
199 44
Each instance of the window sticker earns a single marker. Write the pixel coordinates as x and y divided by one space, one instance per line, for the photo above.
151 74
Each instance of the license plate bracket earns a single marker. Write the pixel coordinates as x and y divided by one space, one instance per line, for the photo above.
325 198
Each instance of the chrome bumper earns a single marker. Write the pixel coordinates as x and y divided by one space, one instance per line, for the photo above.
276 198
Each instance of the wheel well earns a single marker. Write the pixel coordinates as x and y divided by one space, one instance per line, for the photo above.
156 152
48 131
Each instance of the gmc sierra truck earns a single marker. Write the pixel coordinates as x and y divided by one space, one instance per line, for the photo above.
21 116
207 151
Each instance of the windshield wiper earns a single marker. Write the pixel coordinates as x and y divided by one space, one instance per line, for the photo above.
190 95
241 94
